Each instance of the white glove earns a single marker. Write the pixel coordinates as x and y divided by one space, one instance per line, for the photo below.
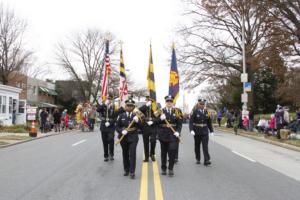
148 103
136 119
150 123
176 134
212 133
107 124
163 117
193 133
124 132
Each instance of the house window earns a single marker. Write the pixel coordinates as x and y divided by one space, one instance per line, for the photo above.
10 105
2 104
21 106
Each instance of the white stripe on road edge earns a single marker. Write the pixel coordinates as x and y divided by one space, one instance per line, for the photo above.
250 159
77 143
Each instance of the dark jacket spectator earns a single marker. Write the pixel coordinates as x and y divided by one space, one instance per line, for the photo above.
57 116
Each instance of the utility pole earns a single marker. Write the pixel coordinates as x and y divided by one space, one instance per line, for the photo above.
244 76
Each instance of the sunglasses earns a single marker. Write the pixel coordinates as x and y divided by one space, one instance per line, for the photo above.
169 101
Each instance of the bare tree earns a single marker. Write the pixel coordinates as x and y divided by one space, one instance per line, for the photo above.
287 13
13 56
82 58
212 47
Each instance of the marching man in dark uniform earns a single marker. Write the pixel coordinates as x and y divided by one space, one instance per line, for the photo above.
169 139
200 125
108 115
127 127
148 130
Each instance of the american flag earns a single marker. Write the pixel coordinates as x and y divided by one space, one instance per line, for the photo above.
123 89
106 73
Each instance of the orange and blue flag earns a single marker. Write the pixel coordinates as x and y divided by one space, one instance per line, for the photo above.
174 77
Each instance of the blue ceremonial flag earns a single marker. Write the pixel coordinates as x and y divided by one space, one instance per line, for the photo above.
174 77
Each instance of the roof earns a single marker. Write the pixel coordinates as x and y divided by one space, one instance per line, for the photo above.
10 88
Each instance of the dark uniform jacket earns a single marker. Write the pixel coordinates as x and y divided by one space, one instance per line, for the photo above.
123 122
200 122
175 119
110 116
149 116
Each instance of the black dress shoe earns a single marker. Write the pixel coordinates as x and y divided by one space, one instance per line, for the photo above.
132 175
164 172
145 160
171 172
105 159
126 173
153 158
207 163
198 162
111 158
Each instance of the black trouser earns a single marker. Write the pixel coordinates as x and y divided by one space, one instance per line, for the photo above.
219 122
92 124
108 143
129 155
149 137
168 149
176 152
278 127
204 140
43 126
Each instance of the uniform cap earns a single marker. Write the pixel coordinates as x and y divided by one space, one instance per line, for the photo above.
130 102
169 97
201 100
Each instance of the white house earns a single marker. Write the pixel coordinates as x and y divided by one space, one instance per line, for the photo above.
12 111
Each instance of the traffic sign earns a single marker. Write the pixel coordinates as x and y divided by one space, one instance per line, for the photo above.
244 77
247 86
244 97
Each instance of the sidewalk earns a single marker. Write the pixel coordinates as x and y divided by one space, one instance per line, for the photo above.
261 137
10 139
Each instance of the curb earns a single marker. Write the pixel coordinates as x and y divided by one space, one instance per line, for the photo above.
283 145
32 139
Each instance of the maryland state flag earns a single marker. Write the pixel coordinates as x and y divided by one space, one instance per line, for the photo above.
151 82
123 88
174 77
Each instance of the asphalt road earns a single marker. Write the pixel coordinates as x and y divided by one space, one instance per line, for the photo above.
70 167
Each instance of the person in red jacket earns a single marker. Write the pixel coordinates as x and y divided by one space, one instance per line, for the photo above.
272 123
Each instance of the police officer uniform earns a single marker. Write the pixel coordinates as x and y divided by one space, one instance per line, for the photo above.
108 115
200 125
130 140
168 139
148 130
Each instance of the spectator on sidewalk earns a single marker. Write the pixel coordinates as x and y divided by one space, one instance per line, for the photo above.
246 123
272 124
57 120
298 119
43 117
262 125
92 117
251 119
279 115
219 117
286 116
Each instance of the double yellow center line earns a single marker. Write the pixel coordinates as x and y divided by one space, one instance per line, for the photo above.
156 179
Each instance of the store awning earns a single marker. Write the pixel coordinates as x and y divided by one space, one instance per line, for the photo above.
48 91
41 104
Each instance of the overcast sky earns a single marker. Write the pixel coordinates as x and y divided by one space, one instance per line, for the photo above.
135 22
